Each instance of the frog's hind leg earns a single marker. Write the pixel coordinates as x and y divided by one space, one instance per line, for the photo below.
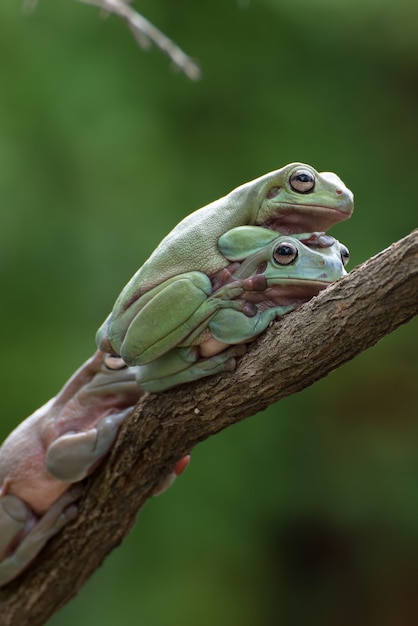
156 376
15 519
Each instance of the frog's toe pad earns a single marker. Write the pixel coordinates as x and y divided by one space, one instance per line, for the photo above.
70 513
14 508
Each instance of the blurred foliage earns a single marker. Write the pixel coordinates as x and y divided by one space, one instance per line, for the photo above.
306 514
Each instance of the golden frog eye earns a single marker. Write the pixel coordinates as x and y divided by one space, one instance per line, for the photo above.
114 362
302 181
285 253
345 254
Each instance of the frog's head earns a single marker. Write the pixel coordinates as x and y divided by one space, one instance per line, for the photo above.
293 261
294 272
296 199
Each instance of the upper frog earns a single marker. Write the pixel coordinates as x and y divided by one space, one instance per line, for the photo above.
293 199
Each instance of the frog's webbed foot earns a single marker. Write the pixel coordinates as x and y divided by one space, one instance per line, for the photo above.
182 365
15 516
71 457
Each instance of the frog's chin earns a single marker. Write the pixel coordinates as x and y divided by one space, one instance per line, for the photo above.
292 291
304 218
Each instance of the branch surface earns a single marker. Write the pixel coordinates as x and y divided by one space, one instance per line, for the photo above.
347 318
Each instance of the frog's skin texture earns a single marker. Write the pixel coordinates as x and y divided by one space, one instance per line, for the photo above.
59 445
279 275
293 199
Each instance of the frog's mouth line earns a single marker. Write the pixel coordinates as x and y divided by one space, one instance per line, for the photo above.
293 291
303 282
306 207
298 286
303 218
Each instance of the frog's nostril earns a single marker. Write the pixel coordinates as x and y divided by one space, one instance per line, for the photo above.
272 192
339 191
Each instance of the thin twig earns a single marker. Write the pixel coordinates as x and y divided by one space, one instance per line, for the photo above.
146 33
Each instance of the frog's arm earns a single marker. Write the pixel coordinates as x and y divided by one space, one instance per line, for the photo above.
16 517
241 242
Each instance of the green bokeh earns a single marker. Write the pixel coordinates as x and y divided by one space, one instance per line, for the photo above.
307 512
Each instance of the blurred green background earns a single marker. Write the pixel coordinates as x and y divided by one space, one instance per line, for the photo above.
308 513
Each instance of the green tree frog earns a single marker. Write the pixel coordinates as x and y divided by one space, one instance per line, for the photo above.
268 276
55 448
293 199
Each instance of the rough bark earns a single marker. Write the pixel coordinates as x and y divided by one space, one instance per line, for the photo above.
300 348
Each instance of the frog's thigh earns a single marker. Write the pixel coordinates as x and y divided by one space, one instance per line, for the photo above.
71 457
167 318
61 512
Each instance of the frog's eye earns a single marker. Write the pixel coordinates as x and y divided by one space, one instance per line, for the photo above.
114 362
302 181
285 253
345 254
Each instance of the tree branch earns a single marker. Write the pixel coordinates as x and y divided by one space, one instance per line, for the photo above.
345 319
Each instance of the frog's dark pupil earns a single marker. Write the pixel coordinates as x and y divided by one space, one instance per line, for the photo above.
345 255
304 178
302 181
285 251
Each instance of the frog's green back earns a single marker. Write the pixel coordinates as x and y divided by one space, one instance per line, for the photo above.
193 244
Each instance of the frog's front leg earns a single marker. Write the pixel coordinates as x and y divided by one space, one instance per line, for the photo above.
73 455
23 535
231 326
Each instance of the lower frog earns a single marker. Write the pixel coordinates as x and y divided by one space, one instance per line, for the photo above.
268 276
55 448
